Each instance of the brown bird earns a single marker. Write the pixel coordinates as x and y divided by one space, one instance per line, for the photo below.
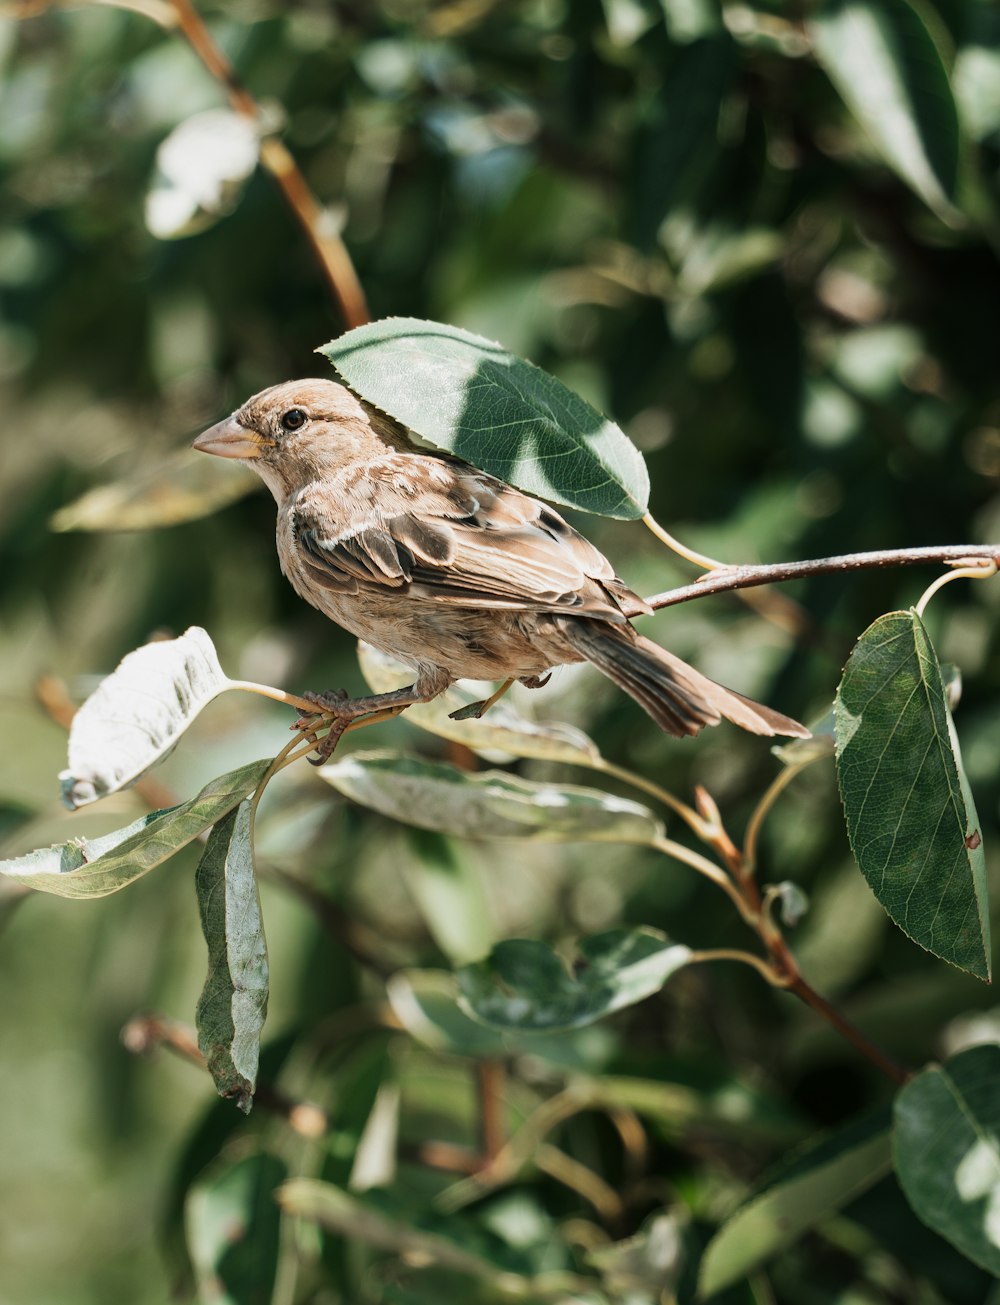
449 570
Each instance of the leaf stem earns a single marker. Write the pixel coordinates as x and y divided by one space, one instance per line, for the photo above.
985 568
769 974
690 817
711 871
279 695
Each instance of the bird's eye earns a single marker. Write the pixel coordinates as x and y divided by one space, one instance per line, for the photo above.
293 419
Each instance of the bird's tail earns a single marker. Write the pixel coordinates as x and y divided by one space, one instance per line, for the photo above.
680 699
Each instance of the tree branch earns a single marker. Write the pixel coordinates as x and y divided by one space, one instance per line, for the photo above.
725 579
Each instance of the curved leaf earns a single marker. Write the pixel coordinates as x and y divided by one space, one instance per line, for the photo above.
524 985
489 804
178 488
233 1003
469 396
98 866
136 715
947 1148
910 818
501 734
813 1185
886 67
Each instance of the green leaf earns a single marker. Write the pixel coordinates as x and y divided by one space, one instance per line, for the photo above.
525 986
885 65
345 1215
910 818
156 494
232 1224
469 396
946 1141
501 734
804 1191
136 715
488 804
679 140
98 866
426 1004
233 1002
448 887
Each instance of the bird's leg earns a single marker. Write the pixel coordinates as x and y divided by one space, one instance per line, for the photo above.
476 710
345 713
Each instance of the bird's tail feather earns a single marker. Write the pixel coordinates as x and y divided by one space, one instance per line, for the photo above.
678 698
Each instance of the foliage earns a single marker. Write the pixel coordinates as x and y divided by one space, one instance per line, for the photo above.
777 275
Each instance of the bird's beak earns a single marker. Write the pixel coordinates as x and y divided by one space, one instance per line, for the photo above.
228 439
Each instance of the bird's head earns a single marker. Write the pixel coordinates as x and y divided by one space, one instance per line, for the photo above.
300 431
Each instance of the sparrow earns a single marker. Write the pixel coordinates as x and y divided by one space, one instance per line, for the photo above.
449 570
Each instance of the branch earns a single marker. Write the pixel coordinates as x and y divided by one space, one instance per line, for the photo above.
745 577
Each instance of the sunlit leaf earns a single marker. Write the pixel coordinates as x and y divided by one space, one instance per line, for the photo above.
502 731
232 1226
886 66
233 1002
97 866
803 1192
136 715
488 804
180 488
913 829
469 396
946 1142
524 985
201 169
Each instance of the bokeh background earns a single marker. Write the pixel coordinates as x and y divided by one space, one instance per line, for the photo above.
672 207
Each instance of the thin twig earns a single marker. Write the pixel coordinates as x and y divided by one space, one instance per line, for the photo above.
490 1081
745 577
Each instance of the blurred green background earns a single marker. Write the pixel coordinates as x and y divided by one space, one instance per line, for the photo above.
672 207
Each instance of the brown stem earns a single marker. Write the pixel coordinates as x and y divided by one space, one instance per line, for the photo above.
145 1033
850 1031
491 1076
745 577
275 157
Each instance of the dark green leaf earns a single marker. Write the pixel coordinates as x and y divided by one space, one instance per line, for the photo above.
946 1142
233 1002
913 829
98 866
680 138
808 1188
488 804
886 66
526 987
469 396
233 1222
137 713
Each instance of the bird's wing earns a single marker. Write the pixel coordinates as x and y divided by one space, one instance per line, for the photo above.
444 531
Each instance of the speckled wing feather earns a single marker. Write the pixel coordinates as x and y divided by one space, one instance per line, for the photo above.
455 535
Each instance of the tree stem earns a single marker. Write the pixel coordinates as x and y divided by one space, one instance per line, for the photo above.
745 577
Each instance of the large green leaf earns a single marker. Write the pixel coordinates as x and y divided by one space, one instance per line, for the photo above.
469 396
886 66
232 1223
947 1150
488 804
525 986
98 866
233 1002
813 1185
137 713
910 817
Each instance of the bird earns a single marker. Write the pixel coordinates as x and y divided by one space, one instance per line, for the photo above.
450 570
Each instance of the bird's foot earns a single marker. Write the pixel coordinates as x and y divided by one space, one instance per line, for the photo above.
329 703
535 681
